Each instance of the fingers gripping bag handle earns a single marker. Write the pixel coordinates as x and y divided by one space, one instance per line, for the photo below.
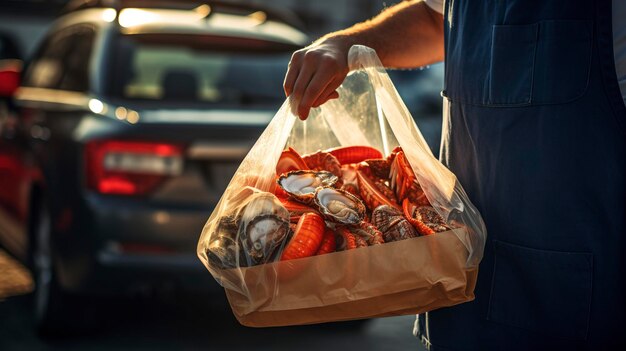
296 237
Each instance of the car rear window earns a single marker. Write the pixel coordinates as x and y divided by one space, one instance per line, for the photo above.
194 71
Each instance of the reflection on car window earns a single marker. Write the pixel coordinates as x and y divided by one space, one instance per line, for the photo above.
63 62
180 74
76 61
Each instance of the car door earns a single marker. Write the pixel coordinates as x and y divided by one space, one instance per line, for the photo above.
12 216
53 90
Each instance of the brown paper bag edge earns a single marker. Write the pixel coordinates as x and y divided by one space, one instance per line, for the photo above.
374 271
403 303
312 290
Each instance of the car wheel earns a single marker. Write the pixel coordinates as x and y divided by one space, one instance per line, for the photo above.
52 308
46 291
56 313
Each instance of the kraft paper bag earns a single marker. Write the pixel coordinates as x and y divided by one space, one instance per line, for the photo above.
403 277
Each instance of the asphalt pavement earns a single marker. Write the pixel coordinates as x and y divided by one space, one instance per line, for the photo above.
183 322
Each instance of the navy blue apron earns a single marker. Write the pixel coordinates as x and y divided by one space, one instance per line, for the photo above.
536 135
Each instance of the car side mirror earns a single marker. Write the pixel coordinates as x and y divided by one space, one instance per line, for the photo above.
10 76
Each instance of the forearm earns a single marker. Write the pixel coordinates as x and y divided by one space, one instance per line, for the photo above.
406 35
409 34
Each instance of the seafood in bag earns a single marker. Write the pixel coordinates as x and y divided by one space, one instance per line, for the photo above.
310 213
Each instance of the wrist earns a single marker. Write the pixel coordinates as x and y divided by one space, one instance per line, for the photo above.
341 41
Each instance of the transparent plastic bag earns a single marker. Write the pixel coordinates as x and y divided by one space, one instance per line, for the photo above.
257 245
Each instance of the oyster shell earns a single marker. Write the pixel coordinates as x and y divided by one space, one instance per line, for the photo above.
264 225
223 250
339 206
301 185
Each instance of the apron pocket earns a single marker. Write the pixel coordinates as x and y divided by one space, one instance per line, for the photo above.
548 292
512 61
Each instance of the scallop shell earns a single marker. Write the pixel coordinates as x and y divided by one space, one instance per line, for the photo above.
301 185
339 206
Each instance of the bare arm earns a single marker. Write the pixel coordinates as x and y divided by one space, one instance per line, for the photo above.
406 35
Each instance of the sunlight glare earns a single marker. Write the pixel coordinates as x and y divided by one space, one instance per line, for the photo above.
136 17
96 106
108 15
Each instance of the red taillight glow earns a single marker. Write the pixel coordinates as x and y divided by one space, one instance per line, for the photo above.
130 167
9 77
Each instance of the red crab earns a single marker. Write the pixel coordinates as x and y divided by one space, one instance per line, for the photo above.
424 218
296 209
354 154
403 181
328 243
345 239
290 160
306 239
374 191
323 161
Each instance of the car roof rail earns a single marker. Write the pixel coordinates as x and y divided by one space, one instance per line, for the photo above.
233 7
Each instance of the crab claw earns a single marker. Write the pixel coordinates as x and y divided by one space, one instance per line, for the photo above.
401 176
371 195
329 243
354 154
323 161
424 218
345 240
296 209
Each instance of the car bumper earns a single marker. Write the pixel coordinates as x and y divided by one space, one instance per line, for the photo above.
121 246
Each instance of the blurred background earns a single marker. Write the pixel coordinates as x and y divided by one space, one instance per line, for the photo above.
121 123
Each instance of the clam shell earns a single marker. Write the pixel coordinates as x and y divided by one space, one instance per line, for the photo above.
339 206
301 185
392 223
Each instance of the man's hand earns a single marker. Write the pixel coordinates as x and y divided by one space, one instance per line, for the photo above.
315 73
408 34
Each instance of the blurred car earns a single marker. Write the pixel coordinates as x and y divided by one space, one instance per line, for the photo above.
132 118
10 67
9 49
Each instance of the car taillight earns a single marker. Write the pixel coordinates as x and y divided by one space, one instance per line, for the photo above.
130 167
